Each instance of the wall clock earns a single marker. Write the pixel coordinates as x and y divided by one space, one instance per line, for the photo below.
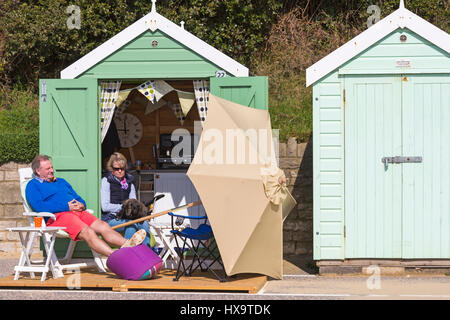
129 129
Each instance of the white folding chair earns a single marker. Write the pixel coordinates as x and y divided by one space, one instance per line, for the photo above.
59 265
166 241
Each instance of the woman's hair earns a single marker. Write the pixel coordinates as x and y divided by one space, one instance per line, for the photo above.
116 157
36 163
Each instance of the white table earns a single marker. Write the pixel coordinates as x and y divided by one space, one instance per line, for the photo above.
27 236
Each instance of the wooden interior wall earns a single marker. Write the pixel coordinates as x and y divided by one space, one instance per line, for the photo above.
160 121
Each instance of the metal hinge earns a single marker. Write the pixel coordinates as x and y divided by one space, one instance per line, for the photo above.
344 232
344 98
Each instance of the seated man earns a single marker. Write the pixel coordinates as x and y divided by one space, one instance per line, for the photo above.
46 193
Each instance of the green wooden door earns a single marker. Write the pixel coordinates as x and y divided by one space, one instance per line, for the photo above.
397 210
372 191
69 133
248 91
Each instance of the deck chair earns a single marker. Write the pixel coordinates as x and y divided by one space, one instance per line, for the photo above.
201 243
25 175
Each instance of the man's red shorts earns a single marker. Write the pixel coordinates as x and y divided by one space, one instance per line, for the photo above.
73 221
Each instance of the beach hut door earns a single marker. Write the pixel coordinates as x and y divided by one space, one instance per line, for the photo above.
247 91
69 133
397 167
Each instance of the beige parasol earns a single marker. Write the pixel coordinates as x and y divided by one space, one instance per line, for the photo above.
236 176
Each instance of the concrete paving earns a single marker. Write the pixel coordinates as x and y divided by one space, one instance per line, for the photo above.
301 282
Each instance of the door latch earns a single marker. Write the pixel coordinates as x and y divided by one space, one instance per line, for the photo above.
401 159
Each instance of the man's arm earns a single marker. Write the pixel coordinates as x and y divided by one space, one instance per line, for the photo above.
72 191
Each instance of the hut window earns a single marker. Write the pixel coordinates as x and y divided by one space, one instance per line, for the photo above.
154 43
403 38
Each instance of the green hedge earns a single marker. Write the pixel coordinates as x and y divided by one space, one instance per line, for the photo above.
19 124
19 146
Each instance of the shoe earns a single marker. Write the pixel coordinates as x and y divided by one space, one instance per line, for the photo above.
137 238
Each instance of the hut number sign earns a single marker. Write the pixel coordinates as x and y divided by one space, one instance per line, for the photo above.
221 74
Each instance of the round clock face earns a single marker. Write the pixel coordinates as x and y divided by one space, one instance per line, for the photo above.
129 129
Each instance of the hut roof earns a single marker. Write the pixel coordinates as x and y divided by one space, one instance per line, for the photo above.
154 21
400 18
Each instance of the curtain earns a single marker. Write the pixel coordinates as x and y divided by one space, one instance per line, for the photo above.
201 90
109 94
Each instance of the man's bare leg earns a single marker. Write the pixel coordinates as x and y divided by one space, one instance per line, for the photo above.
110 235
94 242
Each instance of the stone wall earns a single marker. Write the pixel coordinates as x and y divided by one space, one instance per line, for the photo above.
295 160
11 209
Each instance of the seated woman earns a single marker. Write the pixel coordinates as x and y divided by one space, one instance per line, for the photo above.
117 187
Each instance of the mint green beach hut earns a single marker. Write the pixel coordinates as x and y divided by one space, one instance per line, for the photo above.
382 146
153 48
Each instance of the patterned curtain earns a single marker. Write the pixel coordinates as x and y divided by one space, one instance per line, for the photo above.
109 94
201 90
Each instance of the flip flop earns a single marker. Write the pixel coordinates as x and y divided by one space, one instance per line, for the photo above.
137 238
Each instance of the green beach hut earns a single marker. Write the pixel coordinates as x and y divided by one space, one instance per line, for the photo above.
153 48
382 146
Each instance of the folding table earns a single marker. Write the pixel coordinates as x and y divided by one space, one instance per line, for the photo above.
27 236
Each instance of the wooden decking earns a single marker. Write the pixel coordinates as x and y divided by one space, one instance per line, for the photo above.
91 279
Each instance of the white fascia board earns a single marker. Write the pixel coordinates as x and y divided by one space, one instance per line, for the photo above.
428 31
154 21
400 18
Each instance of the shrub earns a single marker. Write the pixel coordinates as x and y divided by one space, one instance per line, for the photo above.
307 33
19 124
39 44
18 146
238 28
295 43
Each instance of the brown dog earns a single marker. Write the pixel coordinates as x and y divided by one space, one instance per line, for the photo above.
132 209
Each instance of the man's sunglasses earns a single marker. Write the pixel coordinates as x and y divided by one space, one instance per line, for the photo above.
117 169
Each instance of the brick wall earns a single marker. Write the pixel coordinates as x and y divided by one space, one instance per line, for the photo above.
295 160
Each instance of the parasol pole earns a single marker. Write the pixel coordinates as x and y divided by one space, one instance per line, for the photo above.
189 205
